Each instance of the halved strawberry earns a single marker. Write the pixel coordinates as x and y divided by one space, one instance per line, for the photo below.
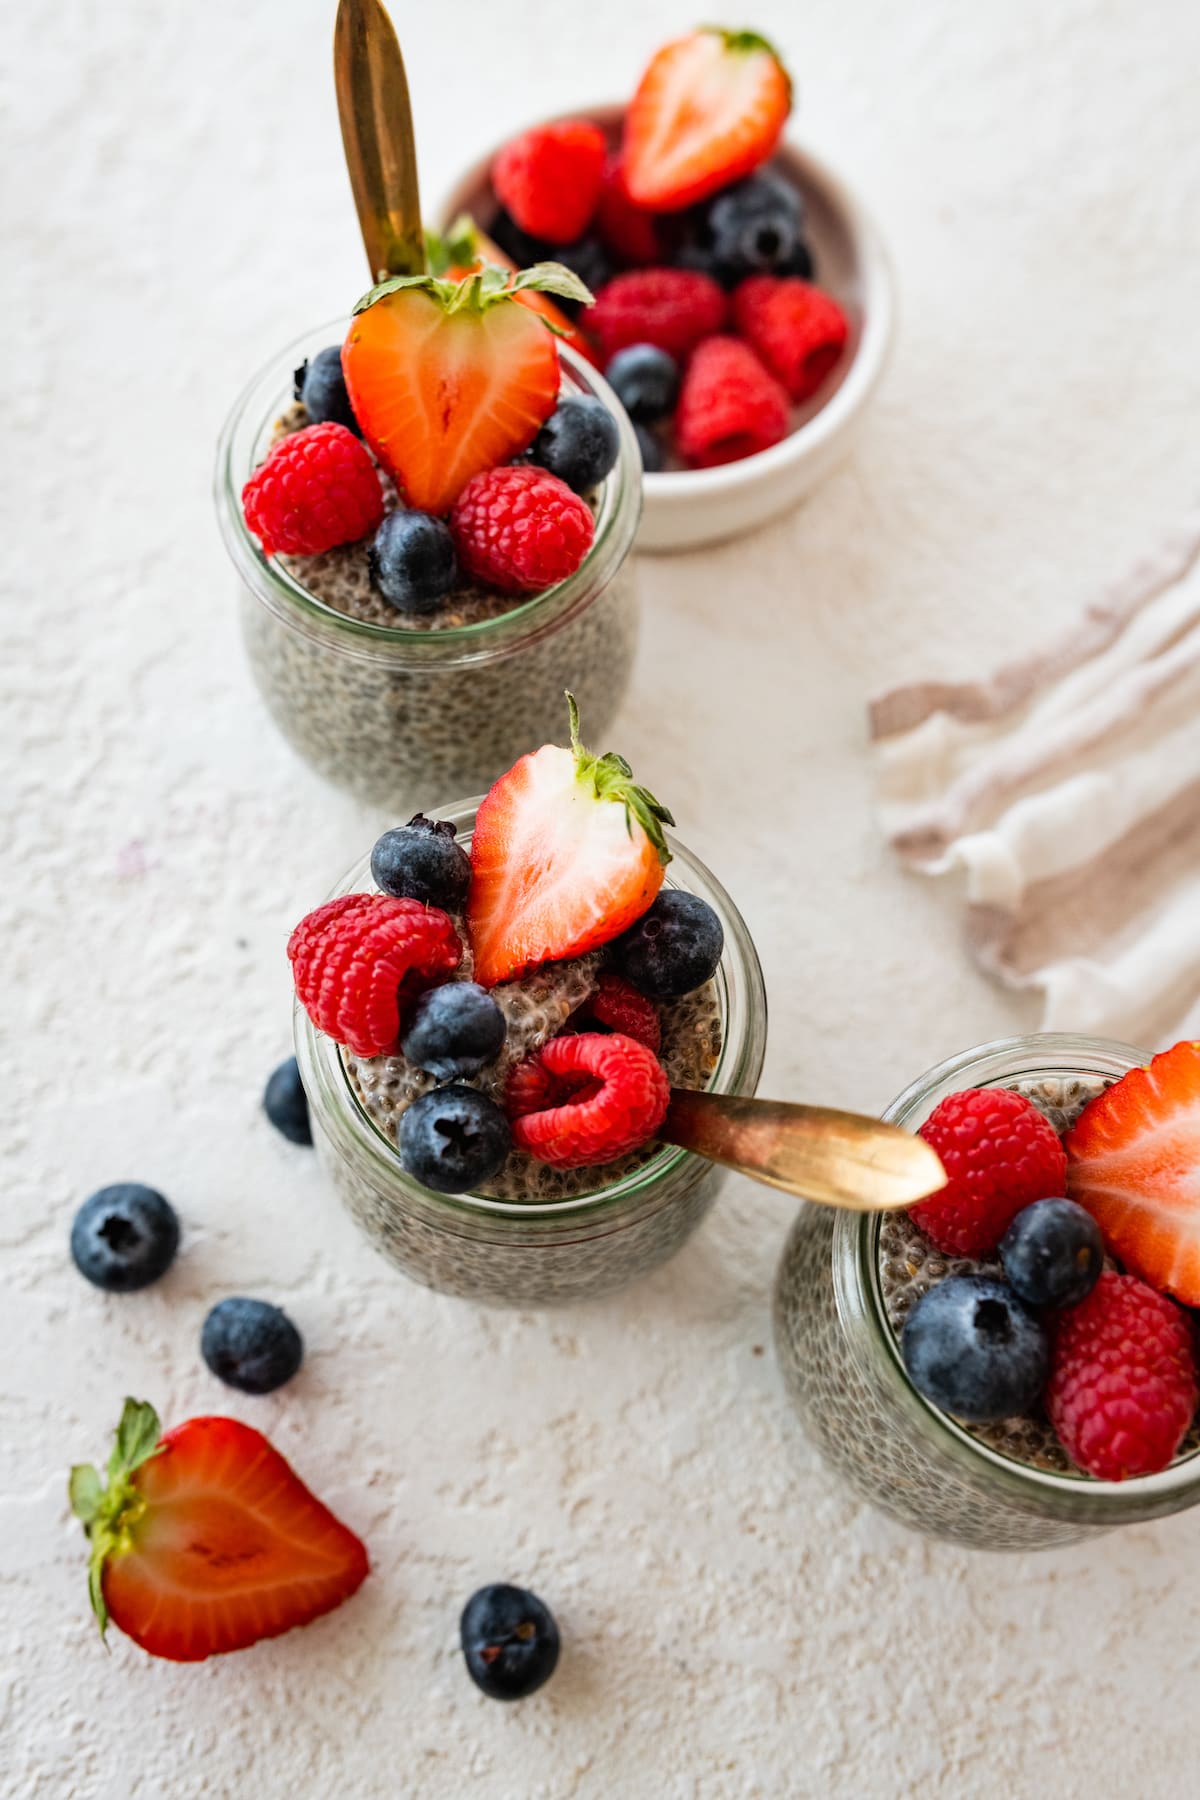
465 249
1133 1159
709 109
448 378
567 852
205 1540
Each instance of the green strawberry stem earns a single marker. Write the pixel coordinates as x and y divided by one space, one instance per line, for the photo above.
109 1509
611 778
487 287
745 43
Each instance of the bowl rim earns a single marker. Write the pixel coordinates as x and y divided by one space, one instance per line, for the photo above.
878 303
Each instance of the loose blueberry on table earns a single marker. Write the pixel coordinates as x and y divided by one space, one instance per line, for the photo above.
694 244
452 979
1056 1273
286 1104
251 1345
510 1641
124 1237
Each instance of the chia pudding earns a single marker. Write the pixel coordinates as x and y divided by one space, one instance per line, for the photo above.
395 707
845 1288
534 1232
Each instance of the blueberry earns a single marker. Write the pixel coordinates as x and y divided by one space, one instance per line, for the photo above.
800 262
454 1030
653 458
673 948
579 443
453 1138
124 1237
753 227
645 380
973 1348
509 1640
517 244
422 861
321 389
286 1104
590 261
412 561
251 1345
1053 1253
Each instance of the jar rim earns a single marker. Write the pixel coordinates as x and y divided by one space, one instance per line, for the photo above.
239 447
743 1003
994 1064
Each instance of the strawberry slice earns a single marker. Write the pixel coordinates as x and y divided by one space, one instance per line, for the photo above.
1133 1159
205 1540
567 852
709 109
448 378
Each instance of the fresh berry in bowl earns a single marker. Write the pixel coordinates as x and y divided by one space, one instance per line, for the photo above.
704 221
491 1043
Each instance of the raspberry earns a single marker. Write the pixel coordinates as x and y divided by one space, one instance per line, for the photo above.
1000 1155
672 308
588 1100
1122 1389
520 529
627 231
617 1005
357 959
318 488
799 331
729 407
548 179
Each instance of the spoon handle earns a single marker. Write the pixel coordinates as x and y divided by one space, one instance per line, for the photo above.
837 1158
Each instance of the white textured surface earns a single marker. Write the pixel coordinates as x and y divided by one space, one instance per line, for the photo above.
176 208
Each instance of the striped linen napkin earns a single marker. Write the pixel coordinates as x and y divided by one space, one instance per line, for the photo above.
1066 787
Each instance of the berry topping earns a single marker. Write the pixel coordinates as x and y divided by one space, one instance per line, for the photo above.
609 1096
448 378
1000 1155
645 380
629 231
618 1006
454 1031
453 1138
672 308
509 1640
549 178
753 228
318 488
798 331
591 262
971 1347
124 1237
1052 1253
357 959
579 443
321 390
674 948
1122 1388
710 108
251 1345
1134 1162
520 529
568 851
653 459
520 247
729 406
286 1104
412 561
423 861
206 1540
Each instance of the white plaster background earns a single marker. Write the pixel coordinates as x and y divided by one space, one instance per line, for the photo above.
734 1625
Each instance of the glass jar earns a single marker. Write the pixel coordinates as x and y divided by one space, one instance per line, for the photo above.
509 1253
392 712
843 1370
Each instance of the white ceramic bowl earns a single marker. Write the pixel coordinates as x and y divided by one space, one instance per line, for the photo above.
687 507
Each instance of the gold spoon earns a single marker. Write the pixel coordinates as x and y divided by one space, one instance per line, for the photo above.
837 1158
377 134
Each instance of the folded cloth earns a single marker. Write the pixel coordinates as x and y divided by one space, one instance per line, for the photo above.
1067 788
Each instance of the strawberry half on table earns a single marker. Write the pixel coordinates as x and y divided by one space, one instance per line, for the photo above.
448 378
1133 1159
709 109
568 851
206 1540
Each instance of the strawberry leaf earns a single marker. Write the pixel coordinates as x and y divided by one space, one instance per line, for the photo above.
611 778
137 1439
553 278
487 286
85 1490
109 1509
